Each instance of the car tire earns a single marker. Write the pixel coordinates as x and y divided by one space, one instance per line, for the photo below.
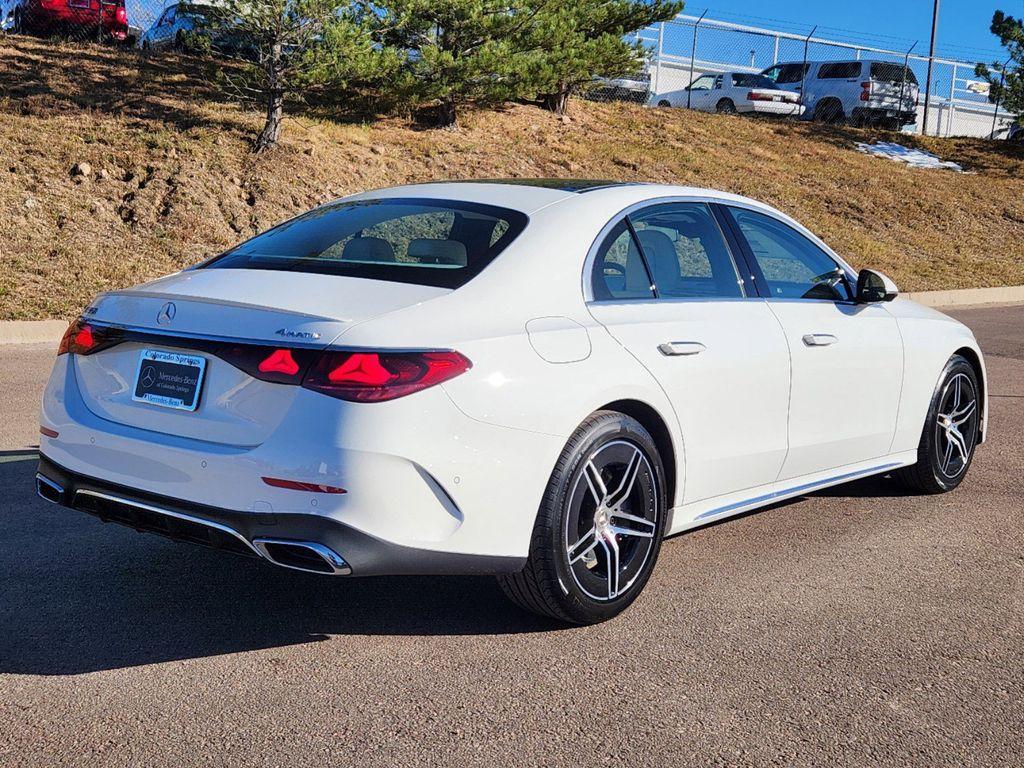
18 24
950 432
583 548
829 111
664 103
725 107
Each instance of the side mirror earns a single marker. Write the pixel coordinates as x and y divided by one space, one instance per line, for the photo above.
874 286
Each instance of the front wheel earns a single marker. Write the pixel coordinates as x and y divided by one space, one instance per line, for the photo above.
950 432
600 525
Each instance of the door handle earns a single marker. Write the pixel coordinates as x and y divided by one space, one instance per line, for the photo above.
677 348
819 339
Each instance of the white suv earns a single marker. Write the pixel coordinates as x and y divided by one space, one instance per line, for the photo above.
861 92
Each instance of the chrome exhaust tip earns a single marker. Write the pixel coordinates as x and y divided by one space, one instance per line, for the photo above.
306 556
49 490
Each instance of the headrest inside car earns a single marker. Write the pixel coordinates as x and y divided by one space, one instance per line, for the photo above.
435 251
368 249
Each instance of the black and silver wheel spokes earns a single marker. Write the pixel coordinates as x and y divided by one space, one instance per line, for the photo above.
956 425
612 520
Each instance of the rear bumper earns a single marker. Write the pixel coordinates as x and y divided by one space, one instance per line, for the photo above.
257 535
880 112
419 474
772 108
65 19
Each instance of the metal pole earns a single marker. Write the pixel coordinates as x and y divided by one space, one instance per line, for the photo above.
1002 82
952 97
775 56
657 70
903 87
803 77
931 61
693 55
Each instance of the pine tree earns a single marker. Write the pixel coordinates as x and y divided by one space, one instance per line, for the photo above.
291 48
458 50
584 39
1006 86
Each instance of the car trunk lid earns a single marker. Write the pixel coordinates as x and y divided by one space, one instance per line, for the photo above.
190 312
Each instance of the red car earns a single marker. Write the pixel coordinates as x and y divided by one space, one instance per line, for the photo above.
81 18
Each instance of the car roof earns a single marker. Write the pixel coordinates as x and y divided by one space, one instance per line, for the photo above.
531 195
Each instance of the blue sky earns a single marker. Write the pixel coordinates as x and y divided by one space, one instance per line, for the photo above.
963 24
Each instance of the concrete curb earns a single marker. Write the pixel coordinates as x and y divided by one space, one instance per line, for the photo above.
32 331
968 297
50 331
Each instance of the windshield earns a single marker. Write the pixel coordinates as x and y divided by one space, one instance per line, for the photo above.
427 242
743 80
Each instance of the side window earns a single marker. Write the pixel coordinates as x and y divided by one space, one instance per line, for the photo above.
843 70
686 252
702 83
619 270
787 74
793 266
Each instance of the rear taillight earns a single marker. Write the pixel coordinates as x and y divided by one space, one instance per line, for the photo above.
82 338
754 96
373 377
121 15
360 376
865 93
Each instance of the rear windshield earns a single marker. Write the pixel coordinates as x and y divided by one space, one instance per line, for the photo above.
743 80
891 73
426 242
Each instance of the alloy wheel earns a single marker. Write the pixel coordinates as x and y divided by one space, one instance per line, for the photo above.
612 520
956 425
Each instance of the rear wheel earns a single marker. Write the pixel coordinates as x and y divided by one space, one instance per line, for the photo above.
726 107
600 525
950 432
829 111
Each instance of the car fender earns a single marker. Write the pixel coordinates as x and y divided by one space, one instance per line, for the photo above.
930 338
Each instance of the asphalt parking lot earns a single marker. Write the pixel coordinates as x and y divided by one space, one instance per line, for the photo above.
856 626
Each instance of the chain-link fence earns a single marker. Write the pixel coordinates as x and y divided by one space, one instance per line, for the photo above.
713 65
132 23
696 62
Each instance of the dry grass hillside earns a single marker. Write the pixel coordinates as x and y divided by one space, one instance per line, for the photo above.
170 179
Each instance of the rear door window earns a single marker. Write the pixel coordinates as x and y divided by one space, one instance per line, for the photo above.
686 252
843 70
422 241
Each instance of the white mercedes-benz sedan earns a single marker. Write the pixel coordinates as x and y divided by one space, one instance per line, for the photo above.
537 379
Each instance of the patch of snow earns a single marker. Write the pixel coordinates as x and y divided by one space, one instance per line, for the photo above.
915 158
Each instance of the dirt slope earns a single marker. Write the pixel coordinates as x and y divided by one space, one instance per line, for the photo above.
170 180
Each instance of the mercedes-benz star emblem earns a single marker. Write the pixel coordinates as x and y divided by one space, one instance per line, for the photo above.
166 313
148 377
